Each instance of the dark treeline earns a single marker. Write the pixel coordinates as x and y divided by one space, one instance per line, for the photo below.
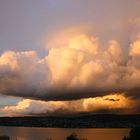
86 121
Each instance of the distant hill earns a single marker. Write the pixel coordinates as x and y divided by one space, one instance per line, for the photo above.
81 121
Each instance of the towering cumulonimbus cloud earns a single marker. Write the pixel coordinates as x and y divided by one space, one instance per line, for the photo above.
76 68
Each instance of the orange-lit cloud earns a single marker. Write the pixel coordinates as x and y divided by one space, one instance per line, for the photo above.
110 102
71 69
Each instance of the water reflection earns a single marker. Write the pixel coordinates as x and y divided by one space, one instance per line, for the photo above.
31 133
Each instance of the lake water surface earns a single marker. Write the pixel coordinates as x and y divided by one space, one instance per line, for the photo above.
31 133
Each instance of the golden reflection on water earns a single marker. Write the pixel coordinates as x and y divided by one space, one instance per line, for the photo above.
31 133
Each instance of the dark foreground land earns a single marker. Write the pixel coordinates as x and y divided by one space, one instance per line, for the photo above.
88 121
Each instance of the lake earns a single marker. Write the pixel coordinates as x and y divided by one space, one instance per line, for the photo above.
32 133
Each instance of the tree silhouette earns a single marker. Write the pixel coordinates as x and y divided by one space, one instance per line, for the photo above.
4 138
73 136
125 138
134 134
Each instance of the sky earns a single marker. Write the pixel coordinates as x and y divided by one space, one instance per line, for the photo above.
67 56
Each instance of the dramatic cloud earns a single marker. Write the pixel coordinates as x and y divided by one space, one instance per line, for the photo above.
79 67
113 103
56 54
